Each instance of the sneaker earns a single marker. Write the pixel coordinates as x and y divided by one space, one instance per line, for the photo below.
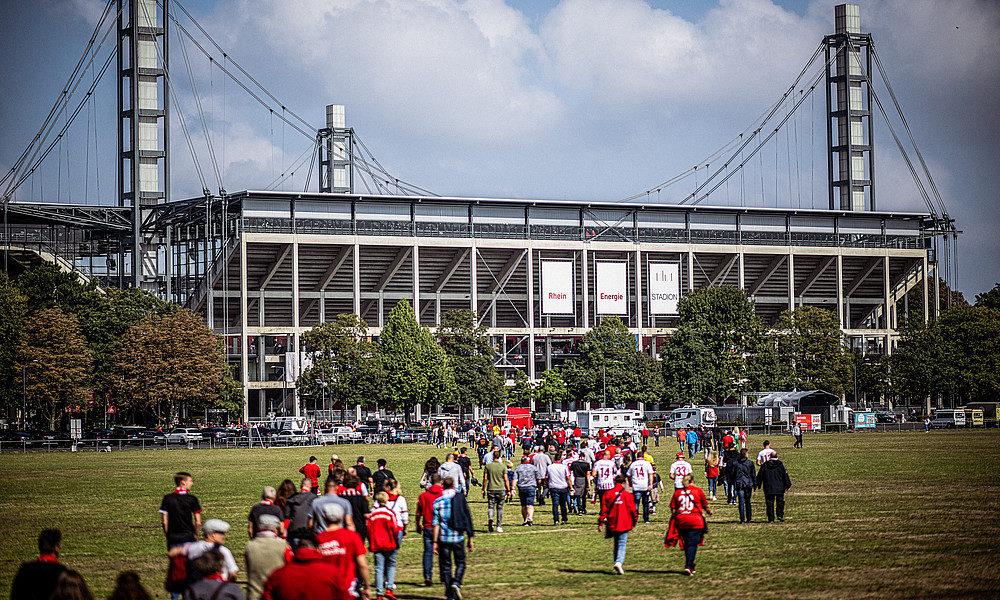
565 521
489 525
390 595
688 571
428 582
525 524
499 529
782 519
456 591
619 569
713 498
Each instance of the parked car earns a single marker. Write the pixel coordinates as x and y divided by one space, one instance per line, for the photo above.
183 435
17 435
217 433
948 418
288 437
339 434
884 418
47 437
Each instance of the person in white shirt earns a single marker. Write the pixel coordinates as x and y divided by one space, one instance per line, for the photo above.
604 475
679 469
640 474
560 480
765 455
215 531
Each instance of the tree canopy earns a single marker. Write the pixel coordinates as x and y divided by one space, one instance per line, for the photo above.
55 359
611 369
470 356
416 368
811 350
344 361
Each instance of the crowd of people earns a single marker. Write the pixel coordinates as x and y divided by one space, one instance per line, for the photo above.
313 539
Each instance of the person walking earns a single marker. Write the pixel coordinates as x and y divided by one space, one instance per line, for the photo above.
712 472
681 437
297 509
340 547
560 479
619 515
688 525
36 580
541 462
581 484
526 482
180 512
495 491
679 469
797 434
425 523
214 583
640 476
744 481
452 469
383 541
692 441
773 477
312 471
266 507
453 531
311 574
264 553
656 436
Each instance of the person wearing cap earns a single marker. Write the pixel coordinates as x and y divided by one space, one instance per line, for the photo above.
526 481
309 575
266 507
679 469
345 550
211 582
264 553
214 531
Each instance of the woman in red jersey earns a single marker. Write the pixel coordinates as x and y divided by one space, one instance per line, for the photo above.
687 522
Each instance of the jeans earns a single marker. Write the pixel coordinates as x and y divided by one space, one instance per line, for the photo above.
428 553
560 498
618 547
798 441
691 538
712 485
495 503
730 491
769 501
385 569
743 500
642 496
656 440
446 552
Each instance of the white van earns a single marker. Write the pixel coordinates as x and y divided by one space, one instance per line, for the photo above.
691 416
948 418
613 421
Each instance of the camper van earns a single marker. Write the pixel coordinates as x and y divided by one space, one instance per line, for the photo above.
691 416
614 421
948 418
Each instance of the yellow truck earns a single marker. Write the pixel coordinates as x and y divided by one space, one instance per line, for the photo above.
991 412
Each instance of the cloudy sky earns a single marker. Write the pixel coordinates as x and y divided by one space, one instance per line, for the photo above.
564 99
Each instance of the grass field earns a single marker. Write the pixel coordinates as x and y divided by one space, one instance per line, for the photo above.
886 515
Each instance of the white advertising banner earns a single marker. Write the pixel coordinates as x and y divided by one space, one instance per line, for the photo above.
664 288
557 287
612 288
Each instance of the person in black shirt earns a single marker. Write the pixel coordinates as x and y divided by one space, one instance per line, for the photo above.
297 511
36 580
364 474
266 507
181 512
379 477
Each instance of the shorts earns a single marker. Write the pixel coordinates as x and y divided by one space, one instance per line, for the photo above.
527 496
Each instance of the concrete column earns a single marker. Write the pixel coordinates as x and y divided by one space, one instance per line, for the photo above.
889 305
791 281
244 339
474 281
531 313
741 273
924 277
840 291
937 291
295 290
357 279
638 294
415 258
585 262
690 271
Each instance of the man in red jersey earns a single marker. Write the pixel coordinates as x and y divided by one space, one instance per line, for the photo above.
344 549
425 524
307 577
312 471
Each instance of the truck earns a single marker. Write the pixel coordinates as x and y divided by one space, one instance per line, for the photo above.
991 412
691 416
611 420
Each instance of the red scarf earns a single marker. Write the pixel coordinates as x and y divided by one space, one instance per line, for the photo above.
180 490
49 558
214 577
267 502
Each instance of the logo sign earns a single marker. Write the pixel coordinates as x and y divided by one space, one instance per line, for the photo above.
864 420
664 287
612 288
809 422
557 287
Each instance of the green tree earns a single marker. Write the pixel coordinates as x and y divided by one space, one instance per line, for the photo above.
55 359
918 364
470 356
971 338
611 369
551 389
990 299
13 307
811 348
344 360
522 393
171 362
416 368
716 349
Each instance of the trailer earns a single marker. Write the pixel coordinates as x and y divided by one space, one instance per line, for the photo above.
613 421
